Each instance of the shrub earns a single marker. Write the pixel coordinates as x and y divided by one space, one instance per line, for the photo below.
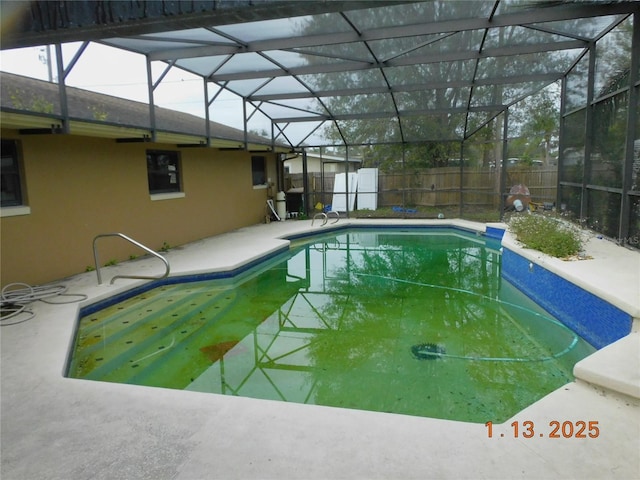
546 234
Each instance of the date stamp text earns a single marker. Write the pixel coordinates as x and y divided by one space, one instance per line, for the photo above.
555 429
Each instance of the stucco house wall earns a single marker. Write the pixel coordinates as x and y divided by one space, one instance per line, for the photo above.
77 187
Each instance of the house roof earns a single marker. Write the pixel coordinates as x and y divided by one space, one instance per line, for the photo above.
33 106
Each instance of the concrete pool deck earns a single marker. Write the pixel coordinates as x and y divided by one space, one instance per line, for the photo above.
53 427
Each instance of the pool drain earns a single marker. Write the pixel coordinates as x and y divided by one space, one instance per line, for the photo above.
427 351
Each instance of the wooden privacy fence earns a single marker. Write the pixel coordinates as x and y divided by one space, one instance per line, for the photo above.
441 187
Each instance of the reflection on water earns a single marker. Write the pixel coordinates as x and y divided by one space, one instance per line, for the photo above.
338 322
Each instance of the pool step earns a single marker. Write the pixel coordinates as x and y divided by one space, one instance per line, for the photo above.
165 311
614 367
170 338
135 310
178 367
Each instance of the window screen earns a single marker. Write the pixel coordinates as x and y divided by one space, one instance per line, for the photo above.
258 170
163 170
10 175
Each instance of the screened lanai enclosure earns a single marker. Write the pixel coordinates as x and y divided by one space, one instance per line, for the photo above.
452 102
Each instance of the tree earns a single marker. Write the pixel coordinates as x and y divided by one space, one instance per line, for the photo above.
422 103
537 118
426 120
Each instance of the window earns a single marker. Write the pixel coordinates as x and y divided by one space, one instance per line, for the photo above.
258 170
10 175
163 170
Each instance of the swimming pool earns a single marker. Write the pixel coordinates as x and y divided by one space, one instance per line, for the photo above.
414 322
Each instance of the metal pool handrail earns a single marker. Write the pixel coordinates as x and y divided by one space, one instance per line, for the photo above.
325 217
337 216
137 244
320 215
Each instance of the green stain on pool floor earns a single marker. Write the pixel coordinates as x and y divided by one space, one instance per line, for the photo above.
412 323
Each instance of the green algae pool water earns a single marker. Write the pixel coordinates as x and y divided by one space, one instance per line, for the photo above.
415 322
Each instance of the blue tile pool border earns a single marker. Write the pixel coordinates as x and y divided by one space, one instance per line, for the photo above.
594 319
494 232
331 229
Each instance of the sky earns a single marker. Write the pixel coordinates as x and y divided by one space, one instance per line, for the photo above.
123 74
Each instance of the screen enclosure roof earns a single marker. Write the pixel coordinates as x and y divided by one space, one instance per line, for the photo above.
357 73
